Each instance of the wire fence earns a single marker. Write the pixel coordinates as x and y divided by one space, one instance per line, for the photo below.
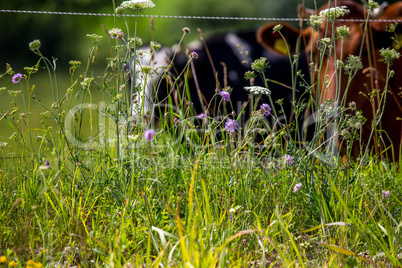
182 17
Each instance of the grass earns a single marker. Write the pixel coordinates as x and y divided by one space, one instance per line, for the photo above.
81 186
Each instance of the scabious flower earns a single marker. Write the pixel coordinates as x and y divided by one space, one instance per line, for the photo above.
149 134
256 90
225 95
17 78
265 109
137 5
288 159
385 194
297 187
202 115
231 125
194 54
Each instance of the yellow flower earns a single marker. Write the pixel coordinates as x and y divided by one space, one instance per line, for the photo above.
3 259
12 264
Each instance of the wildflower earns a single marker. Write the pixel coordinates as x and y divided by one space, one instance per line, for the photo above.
3 259
315 21
256 90
14 93
175 121
95 39
265 109
231 125
149 134
260 65
326 41
297 187
352 105
353 63
186 30
154 45
372 5
137 5
194 54
288 159
30 70
137 42
385 194
74 64
231 211
202 115
35 45
225 95
277 27
17 78
334 12
249 75
388 55
133 138
116 33
45 167
12 264
343 31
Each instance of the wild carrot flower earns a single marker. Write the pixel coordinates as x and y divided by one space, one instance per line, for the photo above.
225 95
231 125
17 78
288 159
297 187
116 33
149 134
385 194
256 90
334 12
35 45
137 5
265 109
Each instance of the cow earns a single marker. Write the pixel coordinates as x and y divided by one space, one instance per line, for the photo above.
221 63
367 92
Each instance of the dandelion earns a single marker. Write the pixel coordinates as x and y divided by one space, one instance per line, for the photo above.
265 109
297 187
137 5
17 78
225 95
194 54
149 134
288 159
231 125
12 264
385 194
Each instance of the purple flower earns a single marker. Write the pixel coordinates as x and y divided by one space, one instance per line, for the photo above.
202 115
194 54
231 125
149 134
17 78
297 187
47 163
225 95
120 35
175 120
265 109
288 159
385 194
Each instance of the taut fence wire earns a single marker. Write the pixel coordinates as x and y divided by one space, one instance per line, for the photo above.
180 17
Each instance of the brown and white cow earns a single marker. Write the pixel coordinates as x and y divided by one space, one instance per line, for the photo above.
329 84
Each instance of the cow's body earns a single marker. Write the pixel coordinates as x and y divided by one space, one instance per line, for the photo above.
386 103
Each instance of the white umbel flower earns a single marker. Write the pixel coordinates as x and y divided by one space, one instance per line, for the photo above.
334 12
135 5
256 90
